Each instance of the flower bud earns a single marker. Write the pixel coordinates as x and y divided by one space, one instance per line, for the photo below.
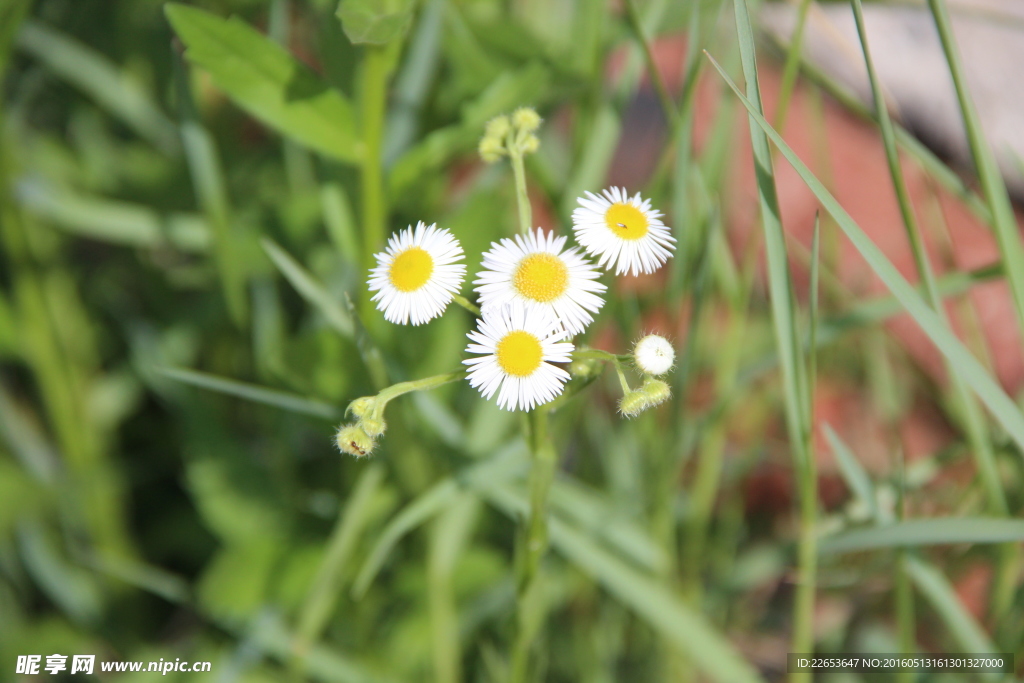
530 145
361 407
656 392
491 149
584 368
632 404
353 440
373 425
654 355
497 128
526 119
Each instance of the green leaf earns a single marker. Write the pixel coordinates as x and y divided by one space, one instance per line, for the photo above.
376 22
856 478
937 590
269 83
252 392
991 394
311 290
918 532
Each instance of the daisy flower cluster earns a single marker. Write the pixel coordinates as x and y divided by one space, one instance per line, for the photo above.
535 294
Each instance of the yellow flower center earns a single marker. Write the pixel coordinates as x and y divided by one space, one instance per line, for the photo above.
542 277
626 221
411 269
519 353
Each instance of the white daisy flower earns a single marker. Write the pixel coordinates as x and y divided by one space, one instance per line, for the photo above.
654 355
622 231
519 343
416 276
536 271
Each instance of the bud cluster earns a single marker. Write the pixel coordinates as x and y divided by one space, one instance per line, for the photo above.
510 135
360 438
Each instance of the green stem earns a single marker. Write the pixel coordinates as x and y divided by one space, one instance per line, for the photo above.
522 198
396 390
533 545
376 68
467 304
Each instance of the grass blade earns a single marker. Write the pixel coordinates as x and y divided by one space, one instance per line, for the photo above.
921 532
856 478
100 79
942 596
252 392
992 185
991 394
506 464
326 586
311 290
653 602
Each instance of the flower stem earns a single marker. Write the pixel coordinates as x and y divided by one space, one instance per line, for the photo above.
533 544
466 303
376 68
522 198
396 390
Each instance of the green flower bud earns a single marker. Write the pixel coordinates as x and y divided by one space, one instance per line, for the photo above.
526 119
530 145
373 425
491 149
498 127
632 404
361 407
656 391
584 368
353 440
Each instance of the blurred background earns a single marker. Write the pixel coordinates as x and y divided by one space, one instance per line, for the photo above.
182 233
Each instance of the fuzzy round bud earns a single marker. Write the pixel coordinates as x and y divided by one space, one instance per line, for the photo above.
373 425
654 355
584 368
498 127
361 407
632 404
530 145
353 440
491 149
526 119
655 391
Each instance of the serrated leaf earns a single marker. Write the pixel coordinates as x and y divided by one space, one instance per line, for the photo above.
376 22
266 81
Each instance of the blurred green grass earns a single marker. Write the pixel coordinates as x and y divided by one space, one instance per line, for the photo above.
180 234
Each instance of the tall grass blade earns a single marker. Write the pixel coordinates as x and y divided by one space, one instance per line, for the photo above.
991 394
311 290
922 532
254 393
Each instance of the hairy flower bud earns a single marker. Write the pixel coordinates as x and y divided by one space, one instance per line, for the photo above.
373 425
498 128
491 149
526 119
353 440
361 407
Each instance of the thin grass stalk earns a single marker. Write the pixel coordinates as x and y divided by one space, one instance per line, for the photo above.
376 68
533 545
994 189
971 414
795 381
792 66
